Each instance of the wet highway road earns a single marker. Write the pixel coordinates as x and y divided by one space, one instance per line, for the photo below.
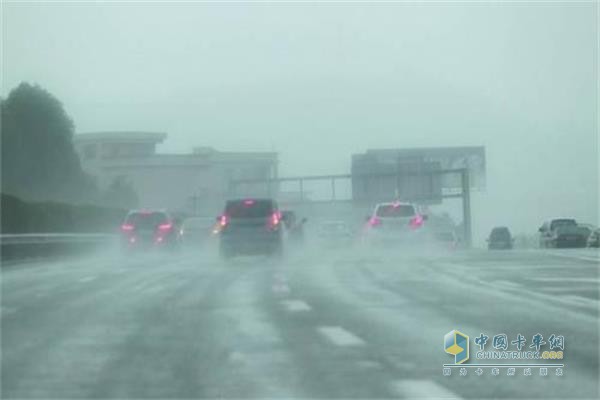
331 324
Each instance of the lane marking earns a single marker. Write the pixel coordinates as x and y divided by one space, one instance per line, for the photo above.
506 284
575 257
579 300
236 357
339 336
296 305
595 281
87 279
422 388
542 299
281 288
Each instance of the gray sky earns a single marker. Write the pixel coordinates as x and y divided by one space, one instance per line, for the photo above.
318 82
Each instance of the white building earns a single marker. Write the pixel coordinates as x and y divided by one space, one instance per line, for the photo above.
197 182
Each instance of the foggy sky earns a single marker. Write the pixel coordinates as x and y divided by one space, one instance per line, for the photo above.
318 82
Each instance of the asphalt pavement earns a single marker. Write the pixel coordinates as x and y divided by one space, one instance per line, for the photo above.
318 323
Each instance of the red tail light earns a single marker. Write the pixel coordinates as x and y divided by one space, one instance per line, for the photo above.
165 227
127 227
223 220
417 222
374 221
274 220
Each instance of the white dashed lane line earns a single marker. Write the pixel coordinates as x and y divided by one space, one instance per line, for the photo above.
87 279
295 305
281 288
422 389
339 336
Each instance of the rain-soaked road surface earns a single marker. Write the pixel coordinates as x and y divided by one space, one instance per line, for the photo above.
331 324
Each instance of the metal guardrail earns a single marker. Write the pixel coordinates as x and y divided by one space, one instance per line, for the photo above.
36 238
21 246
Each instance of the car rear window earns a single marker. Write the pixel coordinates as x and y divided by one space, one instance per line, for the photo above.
147 220
562 222
500 233
395 211
249 208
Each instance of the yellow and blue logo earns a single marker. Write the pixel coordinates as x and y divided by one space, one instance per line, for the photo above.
457 344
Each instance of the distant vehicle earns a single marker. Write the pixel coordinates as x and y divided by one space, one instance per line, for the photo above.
143 229
391 222
334 232
500 239
562 232
294 227
594 238
196 230
250 226
586 230
447 238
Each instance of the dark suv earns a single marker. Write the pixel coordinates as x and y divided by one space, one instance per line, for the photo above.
563 232
500 239
150 229
250 226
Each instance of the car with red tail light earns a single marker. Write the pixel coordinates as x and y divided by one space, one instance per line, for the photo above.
250 226
394 222
145 229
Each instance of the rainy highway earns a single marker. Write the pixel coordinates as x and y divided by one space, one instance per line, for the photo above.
328 324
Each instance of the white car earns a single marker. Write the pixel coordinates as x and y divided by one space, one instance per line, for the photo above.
395 223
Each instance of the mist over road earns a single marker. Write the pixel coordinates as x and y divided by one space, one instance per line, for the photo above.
328 324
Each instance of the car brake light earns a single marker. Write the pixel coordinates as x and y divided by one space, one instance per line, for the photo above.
275 218
374 221
127 227
165 227
223 220
416 222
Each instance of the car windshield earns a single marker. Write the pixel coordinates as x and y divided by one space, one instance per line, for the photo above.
249 209
149 220
395 211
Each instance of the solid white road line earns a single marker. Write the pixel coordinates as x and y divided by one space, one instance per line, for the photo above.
296 305
339 336
422 388
565 279
579 300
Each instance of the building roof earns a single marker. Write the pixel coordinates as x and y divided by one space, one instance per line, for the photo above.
120 136
429 151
